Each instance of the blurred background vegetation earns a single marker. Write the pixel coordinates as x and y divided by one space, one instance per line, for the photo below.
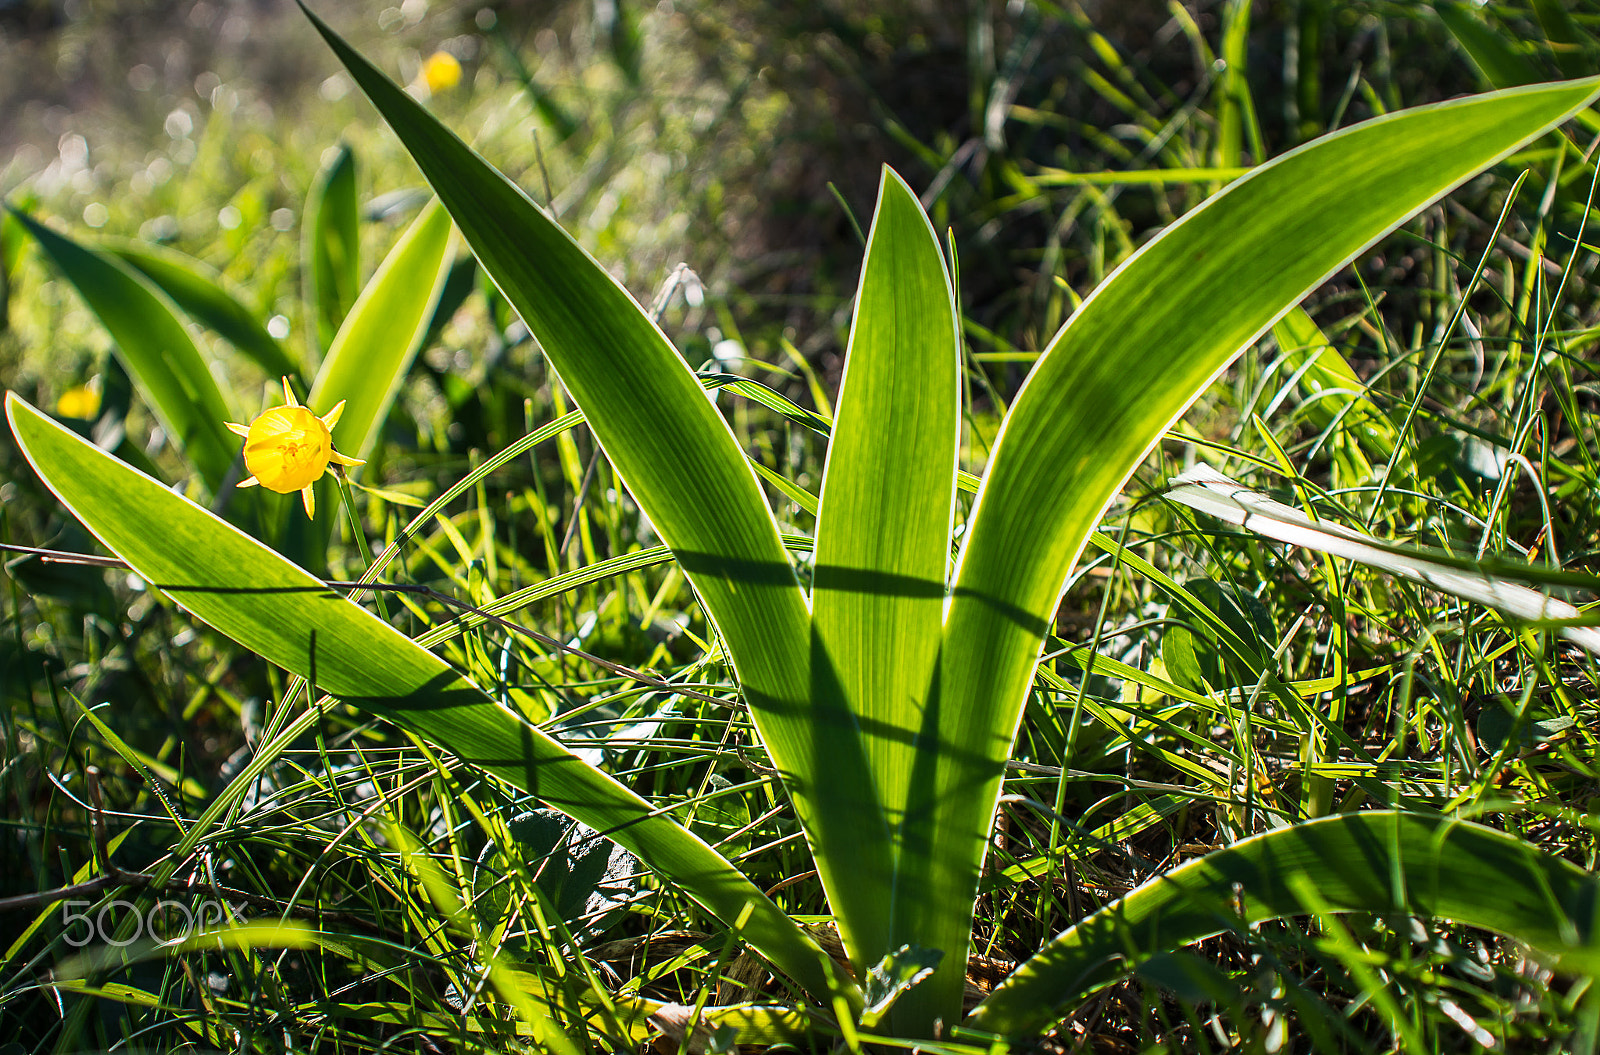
744 139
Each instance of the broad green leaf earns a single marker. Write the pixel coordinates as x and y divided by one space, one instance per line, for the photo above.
1127 364
676 455
244 590
883 534
383 332
200 292
1362 862
169 370
331 247
615 21
1207 490
13 240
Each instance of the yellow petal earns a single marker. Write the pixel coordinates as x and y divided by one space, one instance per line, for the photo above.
331 418
309 498
235 427
287 449
288 394
251 482
344 459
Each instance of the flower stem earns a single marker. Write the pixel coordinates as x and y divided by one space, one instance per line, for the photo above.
361 536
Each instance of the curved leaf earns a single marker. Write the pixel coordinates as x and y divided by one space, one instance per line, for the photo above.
383 332
883 540
200 292
150 340
235 584
1134 356
677 456
1491 50
1362 862
331 247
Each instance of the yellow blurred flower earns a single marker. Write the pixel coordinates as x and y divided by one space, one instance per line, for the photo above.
80 402
441 71
288 448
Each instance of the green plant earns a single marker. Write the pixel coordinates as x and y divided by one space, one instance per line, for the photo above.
890 702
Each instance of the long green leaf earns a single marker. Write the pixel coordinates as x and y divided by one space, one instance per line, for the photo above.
270 606
369 357
1365 862
331 247
200 292
1133 357
675 453
151 342
883 536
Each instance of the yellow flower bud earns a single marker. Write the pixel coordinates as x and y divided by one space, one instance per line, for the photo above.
80 402
441 71
288 448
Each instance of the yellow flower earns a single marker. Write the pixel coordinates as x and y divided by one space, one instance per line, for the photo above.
288 448
441 71
80 402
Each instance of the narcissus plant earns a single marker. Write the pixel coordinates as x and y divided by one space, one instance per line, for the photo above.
288 448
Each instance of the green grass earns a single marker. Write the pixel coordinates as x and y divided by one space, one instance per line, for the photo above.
1151 735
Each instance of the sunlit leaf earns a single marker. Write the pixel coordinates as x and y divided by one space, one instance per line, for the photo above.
1142 347
1364 862
331 247
1207 490
680 460
383 332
